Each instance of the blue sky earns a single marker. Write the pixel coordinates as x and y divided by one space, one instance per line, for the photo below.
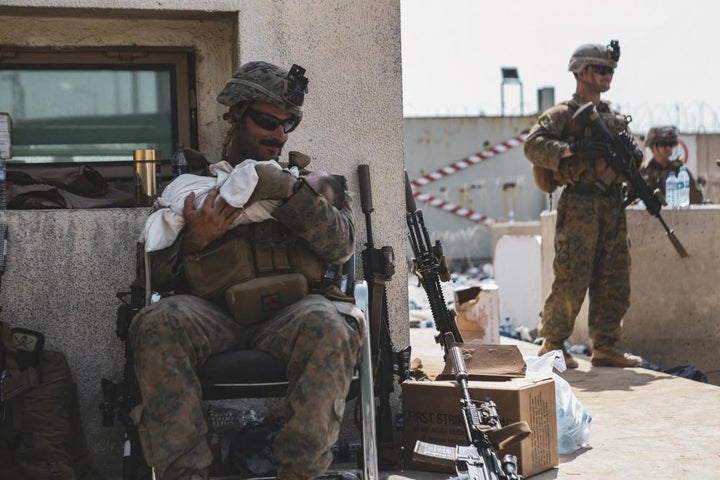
669 70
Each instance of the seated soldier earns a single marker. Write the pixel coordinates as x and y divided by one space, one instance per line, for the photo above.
319 335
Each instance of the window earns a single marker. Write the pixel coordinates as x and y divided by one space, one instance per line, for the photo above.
97 106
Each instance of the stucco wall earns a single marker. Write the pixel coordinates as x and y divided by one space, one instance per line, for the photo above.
65 267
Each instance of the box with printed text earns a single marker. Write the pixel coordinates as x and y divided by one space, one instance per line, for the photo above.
432 413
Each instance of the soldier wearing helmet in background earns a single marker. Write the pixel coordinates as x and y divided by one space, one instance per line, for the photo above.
662 141
318 333
591 244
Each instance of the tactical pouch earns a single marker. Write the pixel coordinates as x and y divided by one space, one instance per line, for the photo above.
544 179
258 299
211 271
303 260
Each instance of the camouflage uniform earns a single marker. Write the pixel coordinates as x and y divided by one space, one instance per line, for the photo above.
655 174
319 338
591 244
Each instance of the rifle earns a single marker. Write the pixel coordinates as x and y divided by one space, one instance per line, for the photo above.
430 267
479 460
378 269
623 158
125 395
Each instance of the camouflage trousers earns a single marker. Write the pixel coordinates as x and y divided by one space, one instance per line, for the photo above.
591 255
319 338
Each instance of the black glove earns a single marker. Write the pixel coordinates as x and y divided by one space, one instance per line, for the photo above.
591 149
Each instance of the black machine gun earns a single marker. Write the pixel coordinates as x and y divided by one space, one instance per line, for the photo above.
378 269
623 160
479 460
430 266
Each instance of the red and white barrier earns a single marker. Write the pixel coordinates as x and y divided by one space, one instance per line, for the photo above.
469 161
452 208
456 167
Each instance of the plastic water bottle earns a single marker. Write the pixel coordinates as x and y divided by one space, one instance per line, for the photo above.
179 162
671 187
3 184
683 188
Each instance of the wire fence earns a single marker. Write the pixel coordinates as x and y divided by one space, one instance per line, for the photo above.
689 118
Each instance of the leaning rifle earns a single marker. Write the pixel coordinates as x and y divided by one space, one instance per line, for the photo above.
123 396
624 155
430 266
479 460
378 269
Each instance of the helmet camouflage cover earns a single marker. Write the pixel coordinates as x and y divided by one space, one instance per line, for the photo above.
592 54
666 133
268 83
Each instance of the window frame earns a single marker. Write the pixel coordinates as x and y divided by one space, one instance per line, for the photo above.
181 61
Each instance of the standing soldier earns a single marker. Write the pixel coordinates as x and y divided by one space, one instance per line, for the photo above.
591 244
662 141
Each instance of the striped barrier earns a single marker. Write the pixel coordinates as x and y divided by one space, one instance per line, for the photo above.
469 161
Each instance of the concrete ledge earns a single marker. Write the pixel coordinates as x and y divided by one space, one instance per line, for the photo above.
672 319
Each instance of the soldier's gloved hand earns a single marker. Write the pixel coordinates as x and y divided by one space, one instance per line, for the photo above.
591 148
273 183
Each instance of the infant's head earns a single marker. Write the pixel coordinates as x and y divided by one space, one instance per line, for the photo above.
328 186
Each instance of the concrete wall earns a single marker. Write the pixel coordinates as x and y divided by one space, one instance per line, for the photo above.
65 267
672 319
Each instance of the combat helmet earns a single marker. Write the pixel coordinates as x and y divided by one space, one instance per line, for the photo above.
665 133
268 83
594 54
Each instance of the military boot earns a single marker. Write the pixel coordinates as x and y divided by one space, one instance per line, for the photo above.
550 345
612 357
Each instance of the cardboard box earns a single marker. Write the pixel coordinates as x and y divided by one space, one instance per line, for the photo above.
478 314
487 362
432 413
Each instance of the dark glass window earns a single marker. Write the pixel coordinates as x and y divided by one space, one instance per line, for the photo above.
96 106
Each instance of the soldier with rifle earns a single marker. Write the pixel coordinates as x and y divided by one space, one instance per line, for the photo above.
591 242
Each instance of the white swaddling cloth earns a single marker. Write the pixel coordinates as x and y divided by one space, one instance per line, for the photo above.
236 186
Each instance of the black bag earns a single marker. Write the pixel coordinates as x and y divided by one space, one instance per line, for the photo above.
689 371
41 436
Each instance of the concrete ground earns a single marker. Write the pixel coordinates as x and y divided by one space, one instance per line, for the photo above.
646 424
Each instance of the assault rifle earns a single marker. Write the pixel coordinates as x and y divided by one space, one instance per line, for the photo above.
378 269
623 160
123 396
479 460
430 267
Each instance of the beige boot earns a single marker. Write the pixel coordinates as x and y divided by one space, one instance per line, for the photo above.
549 345
612 357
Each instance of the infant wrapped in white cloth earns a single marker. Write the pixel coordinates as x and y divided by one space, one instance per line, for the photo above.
236 185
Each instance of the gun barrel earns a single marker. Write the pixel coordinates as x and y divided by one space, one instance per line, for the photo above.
365 188
409 197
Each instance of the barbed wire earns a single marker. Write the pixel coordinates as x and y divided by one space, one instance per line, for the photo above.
689 118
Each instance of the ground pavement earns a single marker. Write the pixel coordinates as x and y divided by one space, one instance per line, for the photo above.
646 424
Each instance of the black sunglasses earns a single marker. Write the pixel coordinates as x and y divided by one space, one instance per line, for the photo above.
270 122
665 144
602 69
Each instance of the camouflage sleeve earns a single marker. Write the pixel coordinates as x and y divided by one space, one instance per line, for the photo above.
544 145
329 232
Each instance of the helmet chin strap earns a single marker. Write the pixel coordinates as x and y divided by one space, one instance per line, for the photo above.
233 118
